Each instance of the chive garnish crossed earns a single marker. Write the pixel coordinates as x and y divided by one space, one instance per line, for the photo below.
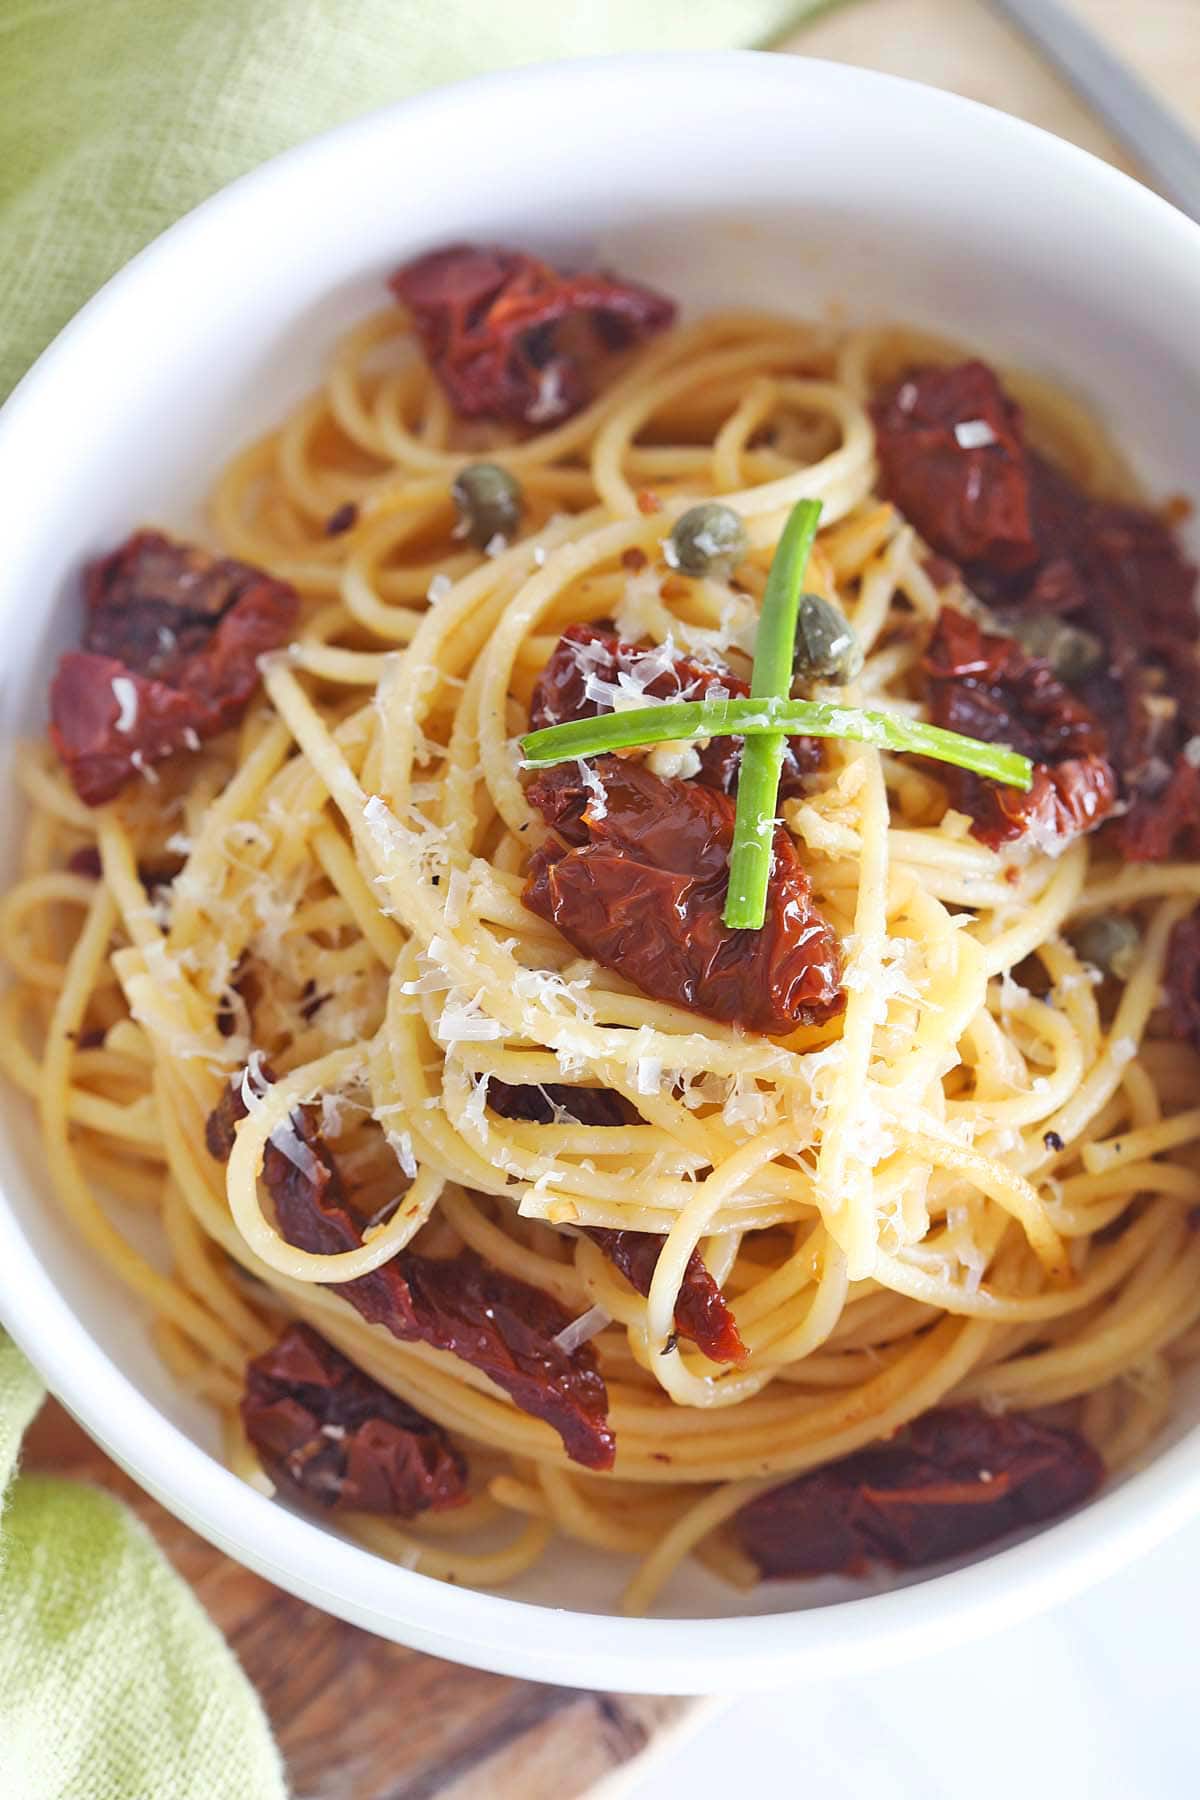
766 720
762 756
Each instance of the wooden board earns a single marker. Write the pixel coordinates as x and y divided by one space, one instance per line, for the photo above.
360 1719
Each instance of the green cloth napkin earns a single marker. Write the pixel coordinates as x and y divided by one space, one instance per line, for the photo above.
116 116
114 1683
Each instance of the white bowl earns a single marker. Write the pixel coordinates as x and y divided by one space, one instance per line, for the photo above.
722 179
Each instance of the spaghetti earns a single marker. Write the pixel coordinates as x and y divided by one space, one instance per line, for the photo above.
970 1186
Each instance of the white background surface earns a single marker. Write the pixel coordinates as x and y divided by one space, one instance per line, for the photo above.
1099 1698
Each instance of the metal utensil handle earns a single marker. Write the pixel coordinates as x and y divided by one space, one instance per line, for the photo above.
1165 148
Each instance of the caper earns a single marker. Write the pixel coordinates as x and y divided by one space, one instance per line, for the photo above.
1071 651
488 501
826 647
708 539
1109 942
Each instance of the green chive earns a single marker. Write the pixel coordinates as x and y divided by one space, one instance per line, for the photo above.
762 757
753 718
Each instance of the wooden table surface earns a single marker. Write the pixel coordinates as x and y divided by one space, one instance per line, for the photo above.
360 1719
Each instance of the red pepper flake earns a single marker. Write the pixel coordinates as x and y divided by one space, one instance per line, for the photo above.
648 502
509 337
500 1325
329 1435
641 888
170 656
634 559
985 685
956 1479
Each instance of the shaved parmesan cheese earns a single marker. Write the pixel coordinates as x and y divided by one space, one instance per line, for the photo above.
1011 992
289 1143
435 981
475 1111
386 831
438 588
402 1144
549 401
879 968
597 808
649 1074
546 987
143 768
974 434
1086 977
191 737
581 1330
971 1257
638 611
463 1021
458 890
496 545
746 1105
331 1115
126 696
254 1083
675 760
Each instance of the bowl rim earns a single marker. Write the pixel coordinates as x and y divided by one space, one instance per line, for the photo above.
491 1631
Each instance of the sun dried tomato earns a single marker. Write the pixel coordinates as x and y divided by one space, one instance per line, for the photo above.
1182 978
953 460
501 1326
587 656
701 1312
1034 540
509 337
957 1479
640 885
986 686
170 653
220 1127
542 1104
1167 823
86 861
328 1434
1118 571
